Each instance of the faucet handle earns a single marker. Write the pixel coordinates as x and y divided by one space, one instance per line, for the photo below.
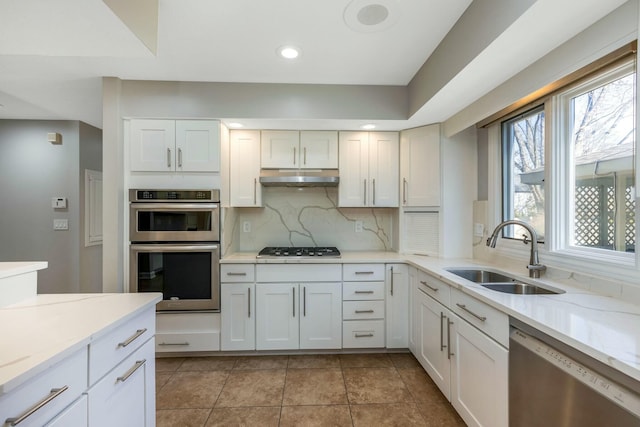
535 270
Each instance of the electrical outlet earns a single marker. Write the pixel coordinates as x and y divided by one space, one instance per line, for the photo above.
359 226
478 229
246 227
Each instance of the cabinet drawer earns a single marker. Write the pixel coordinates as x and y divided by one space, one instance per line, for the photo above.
187 341
237 273
62 384
362 310
110 349
355 291
363 334
435 288
362 272
489 320
296 273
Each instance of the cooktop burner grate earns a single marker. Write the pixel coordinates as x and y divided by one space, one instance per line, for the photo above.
299 252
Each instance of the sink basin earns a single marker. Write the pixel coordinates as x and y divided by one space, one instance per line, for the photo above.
501 283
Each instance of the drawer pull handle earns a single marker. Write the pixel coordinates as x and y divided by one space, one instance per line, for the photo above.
364 272
231 273
55 392
131 371
464 307
174 343
132 338
364 311
369 335
428 286
363 292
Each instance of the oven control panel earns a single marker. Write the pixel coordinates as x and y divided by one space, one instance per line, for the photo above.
174 195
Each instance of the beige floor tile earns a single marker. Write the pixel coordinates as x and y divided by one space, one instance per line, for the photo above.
213 363
439 413
261 362
397 414
168 364
375 385
181 417
161 379
191 390
419 384
258 416
314 387
314 361
253 388
316 416
365 361
404 360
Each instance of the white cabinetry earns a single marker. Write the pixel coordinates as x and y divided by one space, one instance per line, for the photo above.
468 363
420 166
175 145
244 168
238 327
299 149
368 169
363 306
397 305
298 306
187 331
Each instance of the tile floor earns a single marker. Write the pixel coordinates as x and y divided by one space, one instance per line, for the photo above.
301 390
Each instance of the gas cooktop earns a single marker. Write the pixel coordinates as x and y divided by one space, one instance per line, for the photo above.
298 252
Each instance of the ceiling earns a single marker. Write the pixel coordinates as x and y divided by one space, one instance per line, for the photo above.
53 55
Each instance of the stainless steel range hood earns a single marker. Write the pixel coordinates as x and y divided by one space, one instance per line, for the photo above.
299 177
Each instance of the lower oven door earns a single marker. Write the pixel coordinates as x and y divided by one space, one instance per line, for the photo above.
187 275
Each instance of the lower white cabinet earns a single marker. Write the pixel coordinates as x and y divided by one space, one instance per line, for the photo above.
75 415
397 304
412 274
321 321
238 317
187 331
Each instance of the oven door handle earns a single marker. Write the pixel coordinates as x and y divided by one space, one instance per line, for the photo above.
163 247
175 206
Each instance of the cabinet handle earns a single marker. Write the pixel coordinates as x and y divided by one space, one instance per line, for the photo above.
449 352
363 335
391 280
404 191
132 338
363 292
174 343
249 302
442 346
374 192
364 272
255 190
179 157
131 371
477 316
294 156
364 311
428 286
168 157
294 302
231 273
365 192
305 155
55 392
304 300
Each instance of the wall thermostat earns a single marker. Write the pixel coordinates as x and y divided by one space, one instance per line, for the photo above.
59 202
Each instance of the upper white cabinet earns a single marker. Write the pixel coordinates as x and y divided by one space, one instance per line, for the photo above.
420 166
299 149
175 145
368 169
244 168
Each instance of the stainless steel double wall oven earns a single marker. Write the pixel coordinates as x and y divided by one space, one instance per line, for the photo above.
175 247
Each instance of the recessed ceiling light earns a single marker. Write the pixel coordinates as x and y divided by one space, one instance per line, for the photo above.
235 125
368 126
289 52
369 16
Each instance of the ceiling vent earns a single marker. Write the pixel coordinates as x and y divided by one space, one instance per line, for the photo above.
369 16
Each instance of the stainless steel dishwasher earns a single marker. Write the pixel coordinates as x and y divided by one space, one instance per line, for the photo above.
552 384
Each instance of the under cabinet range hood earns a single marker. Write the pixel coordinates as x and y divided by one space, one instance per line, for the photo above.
299 177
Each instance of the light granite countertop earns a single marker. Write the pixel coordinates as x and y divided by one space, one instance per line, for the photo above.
605 328
40 331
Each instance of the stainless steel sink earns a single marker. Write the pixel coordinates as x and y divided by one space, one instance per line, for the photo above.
502 283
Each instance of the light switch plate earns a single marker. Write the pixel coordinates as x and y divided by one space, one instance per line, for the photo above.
478 229
60 224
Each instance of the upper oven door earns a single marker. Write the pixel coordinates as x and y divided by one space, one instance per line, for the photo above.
174 222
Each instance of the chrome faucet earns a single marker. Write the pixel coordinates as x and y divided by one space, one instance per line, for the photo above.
534 267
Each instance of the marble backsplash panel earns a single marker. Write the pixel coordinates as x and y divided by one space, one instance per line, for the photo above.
306 217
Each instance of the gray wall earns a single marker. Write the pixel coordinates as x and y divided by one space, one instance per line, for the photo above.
32 171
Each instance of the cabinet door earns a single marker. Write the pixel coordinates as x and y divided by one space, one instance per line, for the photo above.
277 309
479 377
321 315
319 149
244 168
280 149
238 331
197 146
152 145
354 169
74 415
397 303
432 346
420 166
413 309
383 169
